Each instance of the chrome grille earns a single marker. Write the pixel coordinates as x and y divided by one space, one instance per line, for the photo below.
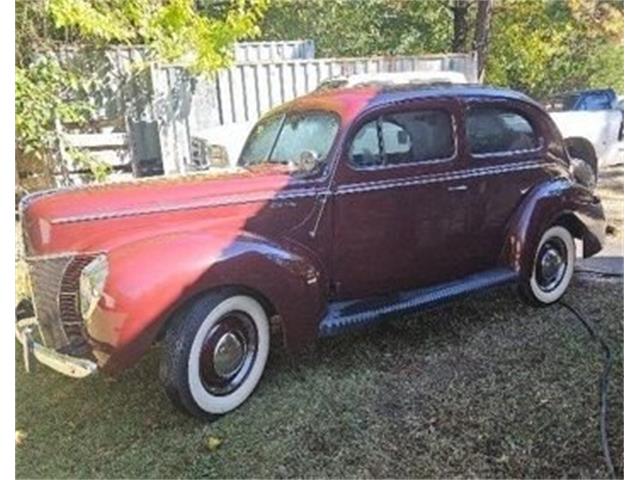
69 303
54 283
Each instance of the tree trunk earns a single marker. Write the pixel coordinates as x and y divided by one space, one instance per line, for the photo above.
481 38
460 25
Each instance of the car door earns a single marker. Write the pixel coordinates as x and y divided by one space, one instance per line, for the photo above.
400 219
506 153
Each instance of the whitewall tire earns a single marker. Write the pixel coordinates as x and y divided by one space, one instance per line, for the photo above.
553 267
215 353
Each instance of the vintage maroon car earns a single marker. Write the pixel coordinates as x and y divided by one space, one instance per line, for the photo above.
349 205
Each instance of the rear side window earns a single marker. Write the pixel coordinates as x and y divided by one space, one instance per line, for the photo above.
497 130
403 138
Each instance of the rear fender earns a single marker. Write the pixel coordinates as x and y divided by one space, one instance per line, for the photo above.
151 279
558 201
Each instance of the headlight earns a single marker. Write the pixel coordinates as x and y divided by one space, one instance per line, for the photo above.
92 281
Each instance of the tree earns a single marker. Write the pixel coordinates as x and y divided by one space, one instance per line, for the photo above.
361 27
174 30
546 47
536 46
460 9
49 90
481 37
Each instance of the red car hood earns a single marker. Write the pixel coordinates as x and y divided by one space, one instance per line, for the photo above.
48 218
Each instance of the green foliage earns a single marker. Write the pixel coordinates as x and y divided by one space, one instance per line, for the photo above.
174 30
103 20
535 46
361 27
546 47
48 90
42 92
81 159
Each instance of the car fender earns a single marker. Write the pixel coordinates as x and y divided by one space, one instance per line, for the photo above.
150 279
557 201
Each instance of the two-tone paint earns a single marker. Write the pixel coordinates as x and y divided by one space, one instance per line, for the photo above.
300 244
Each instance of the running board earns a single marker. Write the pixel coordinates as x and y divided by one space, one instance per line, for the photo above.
350 314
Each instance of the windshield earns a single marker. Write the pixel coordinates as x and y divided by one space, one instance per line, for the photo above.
562 103
296 142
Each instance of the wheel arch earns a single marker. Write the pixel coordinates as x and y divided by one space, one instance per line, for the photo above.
572 223
178 310
143 293
582 148
557 201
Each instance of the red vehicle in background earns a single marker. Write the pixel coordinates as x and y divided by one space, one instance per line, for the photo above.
349 205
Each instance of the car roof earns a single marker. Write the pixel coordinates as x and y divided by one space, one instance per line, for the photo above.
395 78
349 101
585 91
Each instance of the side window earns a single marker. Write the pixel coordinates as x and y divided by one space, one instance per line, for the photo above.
497 130
401 138
365 148
596 101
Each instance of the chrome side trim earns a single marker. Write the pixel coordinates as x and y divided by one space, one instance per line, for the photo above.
438 178
508 153
239 199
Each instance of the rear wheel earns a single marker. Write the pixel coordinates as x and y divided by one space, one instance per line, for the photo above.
215 353
552 268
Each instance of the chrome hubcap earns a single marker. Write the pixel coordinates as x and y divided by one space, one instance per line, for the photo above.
228 355
551 265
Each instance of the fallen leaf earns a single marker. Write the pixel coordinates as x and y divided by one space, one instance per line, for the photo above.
20 437
213 443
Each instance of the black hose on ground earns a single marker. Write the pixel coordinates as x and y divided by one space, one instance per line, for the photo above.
604 384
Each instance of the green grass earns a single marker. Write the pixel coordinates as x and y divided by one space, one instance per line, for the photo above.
486 387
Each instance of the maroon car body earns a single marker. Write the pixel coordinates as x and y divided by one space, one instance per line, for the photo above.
301 244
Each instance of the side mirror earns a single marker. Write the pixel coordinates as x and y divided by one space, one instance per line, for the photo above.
307 160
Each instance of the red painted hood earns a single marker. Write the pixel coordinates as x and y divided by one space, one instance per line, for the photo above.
97 217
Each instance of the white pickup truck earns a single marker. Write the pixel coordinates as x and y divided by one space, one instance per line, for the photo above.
592 124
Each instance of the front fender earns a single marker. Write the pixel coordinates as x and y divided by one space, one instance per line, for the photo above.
556 201
150 279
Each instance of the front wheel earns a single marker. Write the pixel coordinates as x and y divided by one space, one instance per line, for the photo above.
552 268
215 353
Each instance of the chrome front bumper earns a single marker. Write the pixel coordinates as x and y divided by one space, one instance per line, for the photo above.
65 364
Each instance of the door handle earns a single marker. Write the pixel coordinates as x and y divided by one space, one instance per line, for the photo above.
458 188
282 204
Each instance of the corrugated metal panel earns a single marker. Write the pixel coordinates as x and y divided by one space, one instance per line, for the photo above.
239 95
249 90
254 52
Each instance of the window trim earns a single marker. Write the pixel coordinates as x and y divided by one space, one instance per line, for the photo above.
377 116
503 153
